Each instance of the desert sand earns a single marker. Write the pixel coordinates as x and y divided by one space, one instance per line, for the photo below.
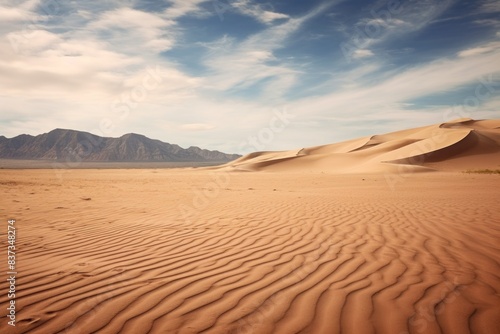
452 146
284 250
165 251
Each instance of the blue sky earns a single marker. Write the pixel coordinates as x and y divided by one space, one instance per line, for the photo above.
246 75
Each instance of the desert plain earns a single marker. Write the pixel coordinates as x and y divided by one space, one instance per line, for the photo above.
250 249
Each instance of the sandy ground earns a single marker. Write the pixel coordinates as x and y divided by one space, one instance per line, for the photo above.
189 251
453 146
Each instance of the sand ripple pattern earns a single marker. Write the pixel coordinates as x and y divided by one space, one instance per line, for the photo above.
269 254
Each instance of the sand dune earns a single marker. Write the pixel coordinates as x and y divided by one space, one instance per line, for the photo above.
164 251
453 146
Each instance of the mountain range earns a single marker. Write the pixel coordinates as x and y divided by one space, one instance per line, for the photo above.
71 145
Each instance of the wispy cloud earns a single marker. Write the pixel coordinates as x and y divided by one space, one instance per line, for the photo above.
362 53
486 48
124 25
394 93
179 8
239 65
490 6
264 13
495 23
383 24
82 63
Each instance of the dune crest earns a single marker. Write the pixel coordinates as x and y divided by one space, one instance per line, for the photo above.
456 145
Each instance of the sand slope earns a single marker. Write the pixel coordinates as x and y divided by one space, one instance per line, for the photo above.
164 251
454 146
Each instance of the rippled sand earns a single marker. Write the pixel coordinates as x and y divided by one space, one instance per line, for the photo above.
189 251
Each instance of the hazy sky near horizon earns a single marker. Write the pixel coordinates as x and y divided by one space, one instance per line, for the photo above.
246 75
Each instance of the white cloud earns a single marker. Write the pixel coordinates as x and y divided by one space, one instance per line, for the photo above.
125 25
129 18
243 64
487 48
383 24
8 14
490 6
362 53
218 46
100 53
376 99
375 24
67 69
18 10
262 13
96 55
495 23
32 41
181 8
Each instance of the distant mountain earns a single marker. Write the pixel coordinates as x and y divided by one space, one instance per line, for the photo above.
71 145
